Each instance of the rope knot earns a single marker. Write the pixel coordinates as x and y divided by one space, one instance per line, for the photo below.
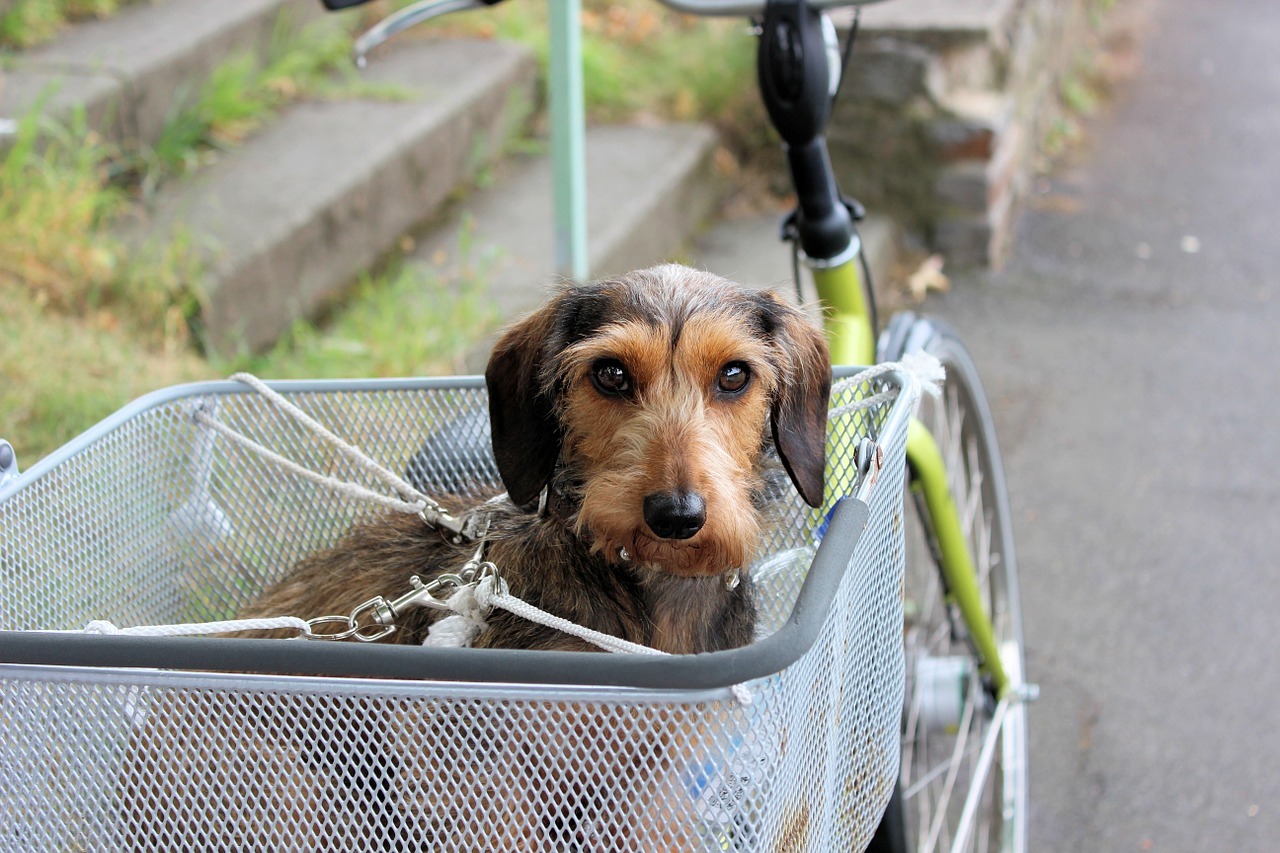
470 605
489 588
926 369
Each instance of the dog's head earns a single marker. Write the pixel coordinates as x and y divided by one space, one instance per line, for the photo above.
656 391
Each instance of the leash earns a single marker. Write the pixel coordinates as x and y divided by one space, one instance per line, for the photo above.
408 499
469 594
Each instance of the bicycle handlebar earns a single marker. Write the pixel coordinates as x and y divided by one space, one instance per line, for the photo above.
798 69
706 8
748 8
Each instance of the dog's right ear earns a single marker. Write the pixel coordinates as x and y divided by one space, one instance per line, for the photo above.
522 420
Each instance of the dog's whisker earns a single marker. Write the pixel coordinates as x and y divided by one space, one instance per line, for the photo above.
661 381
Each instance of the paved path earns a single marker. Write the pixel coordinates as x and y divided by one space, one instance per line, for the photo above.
1133 349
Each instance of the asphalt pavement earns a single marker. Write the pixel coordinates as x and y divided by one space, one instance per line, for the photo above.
1132 349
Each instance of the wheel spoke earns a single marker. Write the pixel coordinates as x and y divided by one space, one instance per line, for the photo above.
962 786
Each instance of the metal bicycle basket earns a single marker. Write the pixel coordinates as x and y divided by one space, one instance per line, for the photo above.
111 743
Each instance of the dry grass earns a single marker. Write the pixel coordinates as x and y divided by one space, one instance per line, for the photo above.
59 374
87 326
29 22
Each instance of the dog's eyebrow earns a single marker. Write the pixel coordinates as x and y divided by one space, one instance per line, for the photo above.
587 311
677 328
678 315
765 316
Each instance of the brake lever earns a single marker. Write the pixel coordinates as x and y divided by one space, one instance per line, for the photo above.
409 16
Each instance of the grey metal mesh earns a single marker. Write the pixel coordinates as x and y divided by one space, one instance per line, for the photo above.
157 520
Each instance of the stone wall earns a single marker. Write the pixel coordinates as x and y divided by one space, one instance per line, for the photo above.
940 115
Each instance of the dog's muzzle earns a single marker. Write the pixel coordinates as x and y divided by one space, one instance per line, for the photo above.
675 515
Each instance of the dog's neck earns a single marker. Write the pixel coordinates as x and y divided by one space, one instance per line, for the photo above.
559 502
696 614
683 615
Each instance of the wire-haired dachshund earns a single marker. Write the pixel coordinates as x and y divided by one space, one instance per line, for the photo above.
643 426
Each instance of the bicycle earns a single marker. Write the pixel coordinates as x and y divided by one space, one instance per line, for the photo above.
964 780
963 747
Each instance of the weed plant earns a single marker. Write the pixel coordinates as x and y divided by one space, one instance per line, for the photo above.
29 22
87 325
645 62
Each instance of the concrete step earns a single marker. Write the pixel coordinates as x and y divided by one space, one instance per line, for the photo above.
290 219
939 20
648 189
131 71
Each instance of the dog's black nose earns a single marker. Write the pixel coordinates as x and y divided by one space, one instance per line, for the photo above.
675 515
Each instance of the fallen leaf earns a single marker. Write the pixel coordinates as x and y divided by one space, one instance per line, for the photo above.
928 276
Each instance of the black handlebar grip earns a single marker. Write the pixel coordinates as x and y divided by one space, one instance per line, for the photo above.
793 73
335 5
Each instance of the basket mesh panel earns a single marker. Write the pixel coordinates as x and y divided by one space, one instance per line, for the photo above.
163 521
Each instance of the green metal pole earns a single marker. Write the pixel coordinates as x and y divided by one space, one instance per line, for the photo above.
930 473
568 139
846 316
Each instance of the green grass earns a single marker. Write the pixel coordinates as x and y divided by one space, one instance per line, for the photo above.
412 319
86 325
60 374
54 203
30 22
89 325
56 247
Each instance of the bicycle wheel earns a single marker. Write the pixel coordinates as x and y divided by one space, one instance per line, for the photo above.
950 713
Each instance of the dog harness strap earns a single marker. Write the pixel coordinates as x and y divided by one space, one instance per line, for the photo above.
492 592
408 500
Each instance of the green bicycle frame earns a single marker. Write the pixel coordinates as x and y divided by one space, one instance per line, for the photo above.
845 313
929 477
847 321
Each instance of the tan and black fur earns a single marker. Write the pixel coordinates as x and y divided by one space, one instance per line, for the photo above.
591 555
642 426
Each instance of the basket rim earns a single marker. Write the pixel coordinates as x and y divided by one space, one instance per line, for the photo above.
714 670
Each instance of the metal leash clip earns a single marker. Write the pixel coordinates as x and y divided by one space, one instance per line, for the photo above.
376 619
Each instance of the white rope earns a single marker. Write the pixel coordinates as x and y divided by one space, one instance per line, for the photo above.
195 629
389 478
342 487
411 500
921 366
472 601
490 593
459 629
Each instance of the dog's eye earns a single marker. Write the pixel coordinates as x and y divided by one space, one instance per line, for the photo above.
733 377
611 378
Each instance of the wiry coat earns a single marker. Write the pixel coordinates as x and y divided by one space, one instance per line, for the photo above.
545 564
665 382
589 556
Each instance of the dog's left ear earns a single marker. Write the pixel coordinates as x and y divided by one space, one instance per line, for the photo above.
799 414
522 420
521 378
